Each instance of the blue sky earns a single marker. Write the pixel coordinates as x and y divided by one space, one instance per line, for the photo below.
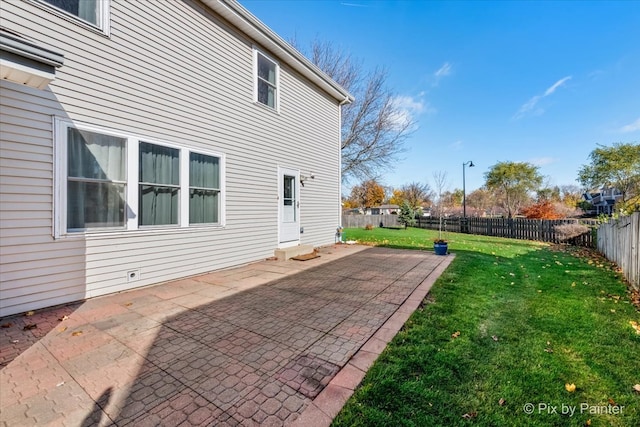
539 82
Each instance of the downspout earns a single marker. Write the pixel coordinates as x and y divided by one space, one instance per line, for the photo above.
345 101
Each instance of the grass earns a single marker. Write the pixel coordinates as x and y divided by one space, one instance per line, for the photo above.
530 319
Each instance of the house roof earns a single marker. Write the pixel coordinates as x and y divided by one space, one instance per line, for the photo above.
240 17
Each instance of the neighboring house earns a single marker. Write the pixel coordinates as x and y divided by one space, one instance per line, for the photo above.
146 141
382 210
389 209
352 211
603 202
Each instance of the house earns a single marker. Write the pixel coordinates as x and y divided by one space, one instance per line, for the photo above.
147 141
603 202
383 210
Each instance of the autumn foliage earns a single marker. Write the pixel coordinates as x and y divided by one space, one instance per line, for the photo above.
541 210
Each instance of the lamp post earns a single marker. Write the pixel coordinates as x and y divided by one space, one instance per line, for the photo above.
464 190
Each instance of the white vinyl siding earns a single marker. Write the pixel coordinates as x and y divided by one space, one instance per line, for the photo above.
171 73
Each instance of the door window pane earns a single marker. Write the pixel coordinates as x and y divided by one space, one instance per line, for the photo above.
289 190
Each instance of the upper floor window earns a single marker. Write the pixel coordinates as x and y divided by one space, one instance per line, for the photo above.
267 80
94 12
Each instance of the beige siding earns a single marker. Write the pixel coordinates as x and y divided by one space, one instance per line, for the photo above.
179 75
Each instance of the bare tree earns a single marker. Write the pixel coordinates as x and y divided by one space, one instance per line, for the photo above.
482 201
375 126
440 181
416 194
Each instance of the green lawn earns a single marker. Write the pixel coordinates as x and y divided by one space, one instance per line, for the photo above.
530 319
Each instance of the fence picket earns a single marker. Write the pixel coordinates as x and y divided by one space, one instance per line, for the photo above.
619 241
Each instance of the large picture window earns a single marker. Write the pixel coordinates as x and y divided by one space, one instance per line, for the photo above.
107 181
266 80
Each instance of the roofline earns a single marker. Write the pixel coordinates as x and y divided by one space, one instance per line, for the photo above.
20 45
240 17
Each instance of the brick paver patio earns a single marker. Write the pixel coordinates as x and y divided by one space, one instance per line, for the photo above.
272 343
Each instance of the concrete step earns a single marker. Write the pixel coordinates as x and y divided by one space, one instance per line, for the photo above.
286 253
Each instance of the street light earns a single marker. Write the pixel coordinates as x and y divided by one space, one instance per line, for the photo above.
464 190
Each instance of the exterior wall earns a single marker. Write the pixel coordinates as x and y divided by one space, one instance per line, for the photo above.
179 75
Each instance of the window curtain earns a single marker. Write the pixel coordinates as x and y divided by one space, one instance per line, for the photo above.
159 184
204 183
94 161
88 10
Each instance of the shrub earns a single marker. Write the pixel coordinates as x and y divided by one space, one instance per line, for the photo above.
368 227
569 231
541 210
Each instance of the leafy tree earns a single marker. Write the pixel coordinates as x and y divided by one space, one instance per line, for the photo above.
374 127
348 203
513 181
617 166
452 199
368 194
407 215
397 197
571 195
550 194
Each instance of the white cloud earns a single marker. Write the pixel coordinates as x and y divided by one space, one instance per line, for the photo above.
542 161
631 127
445 70
407 108
355 5
556 85
440 73
531 108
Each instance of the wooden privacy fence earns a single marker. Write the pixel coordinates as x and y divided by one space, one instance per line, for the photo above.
516 228
619 241
360 221
543 230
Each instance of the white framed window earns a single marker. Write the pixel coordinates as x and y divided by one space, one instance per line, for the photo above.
96 180
93 13
158 184
267 80
204 189
107 181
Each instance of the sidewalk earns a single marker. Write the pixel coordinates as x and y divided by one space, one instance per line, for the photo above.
271 343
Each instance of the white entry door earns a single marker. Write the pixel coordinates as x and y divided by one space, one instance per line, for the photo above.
289 210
